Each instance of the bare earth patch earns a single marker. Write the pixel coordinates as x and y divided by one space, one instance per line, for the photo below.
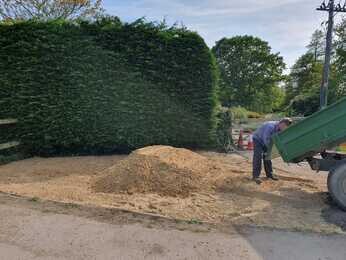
206 187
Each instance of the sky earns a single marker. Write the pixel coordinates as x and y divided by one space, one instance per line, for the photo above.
286 24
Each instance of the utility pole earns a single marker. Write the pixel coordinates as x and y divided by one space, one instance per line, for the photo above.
332 9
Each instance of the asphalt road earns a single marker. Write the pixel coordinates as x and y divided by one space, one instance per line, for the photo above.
32 229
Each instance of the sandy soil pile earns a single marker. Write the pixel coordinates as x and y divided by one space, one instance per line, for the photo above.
296 202
163 170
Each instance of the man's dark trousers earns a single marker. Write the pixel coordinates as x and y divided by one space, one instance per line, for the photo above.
260 153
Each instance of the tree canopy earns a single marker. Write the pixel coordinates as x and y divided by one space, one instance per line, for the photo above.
340 59
317 44
304 81
49 9
250 73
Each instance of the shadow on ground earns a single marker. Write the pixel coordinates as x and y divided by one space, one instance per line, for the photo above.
333 214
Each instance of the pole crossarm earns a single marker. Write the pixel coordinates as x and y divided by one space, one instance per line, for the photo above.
332 7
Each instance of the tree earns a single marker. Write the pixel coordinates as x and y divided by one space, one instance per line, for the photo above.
340 59
303 85
317 45
49 9
340 32
305 76
250 73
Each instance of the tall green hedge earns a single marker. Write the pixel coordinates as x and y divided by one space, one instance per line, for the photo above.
105 86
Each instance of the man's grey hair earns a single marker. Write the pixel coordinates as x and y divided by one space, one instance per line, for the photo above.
287 121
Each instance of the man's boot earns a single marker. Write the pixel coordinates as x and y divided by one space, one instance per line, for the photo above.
257 180
272 177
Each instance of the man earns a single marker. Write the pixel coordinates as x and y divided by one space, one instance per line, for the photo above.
262 139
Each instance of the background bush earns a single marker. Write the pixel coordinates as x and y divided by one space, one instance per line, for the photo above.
106 86
239 113
304 105
242 115
252 114
224 129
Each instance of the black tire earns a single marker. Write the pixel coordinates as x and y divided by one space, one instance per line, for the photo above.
337 186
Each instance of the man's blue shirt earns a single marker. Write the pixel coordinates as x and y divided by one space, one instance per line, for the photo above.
266 131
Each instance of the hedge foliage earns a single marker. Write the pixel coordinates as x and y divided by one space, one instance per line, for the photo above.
106 86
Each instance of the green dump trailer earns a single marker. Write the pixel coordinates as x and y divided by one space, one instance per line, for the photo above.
313 140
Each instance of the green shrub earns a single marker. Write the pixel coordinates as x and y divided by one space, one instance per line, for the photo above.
255 115
106 86
242 114
304 105
10 154
10 158
224 129
239 113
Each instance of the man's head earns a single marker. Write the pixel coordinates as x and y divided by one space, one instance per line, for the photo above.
284 123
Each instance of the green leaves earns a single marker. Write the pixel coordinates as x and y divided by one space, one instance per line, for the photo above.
304 81
250 73
104 87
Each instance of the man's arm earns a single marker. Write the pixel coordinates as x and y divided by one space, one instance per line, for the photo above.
268 134
268 153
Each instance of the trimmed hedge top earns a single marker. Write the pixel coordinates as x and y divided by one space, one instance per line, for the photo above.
105 86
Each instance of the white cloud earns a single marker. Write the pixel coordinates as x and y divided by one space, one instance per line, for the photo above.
200 8
210 8
285 24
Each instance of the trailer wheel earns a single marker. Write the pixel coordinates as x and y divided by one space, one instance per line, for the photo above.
337 185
